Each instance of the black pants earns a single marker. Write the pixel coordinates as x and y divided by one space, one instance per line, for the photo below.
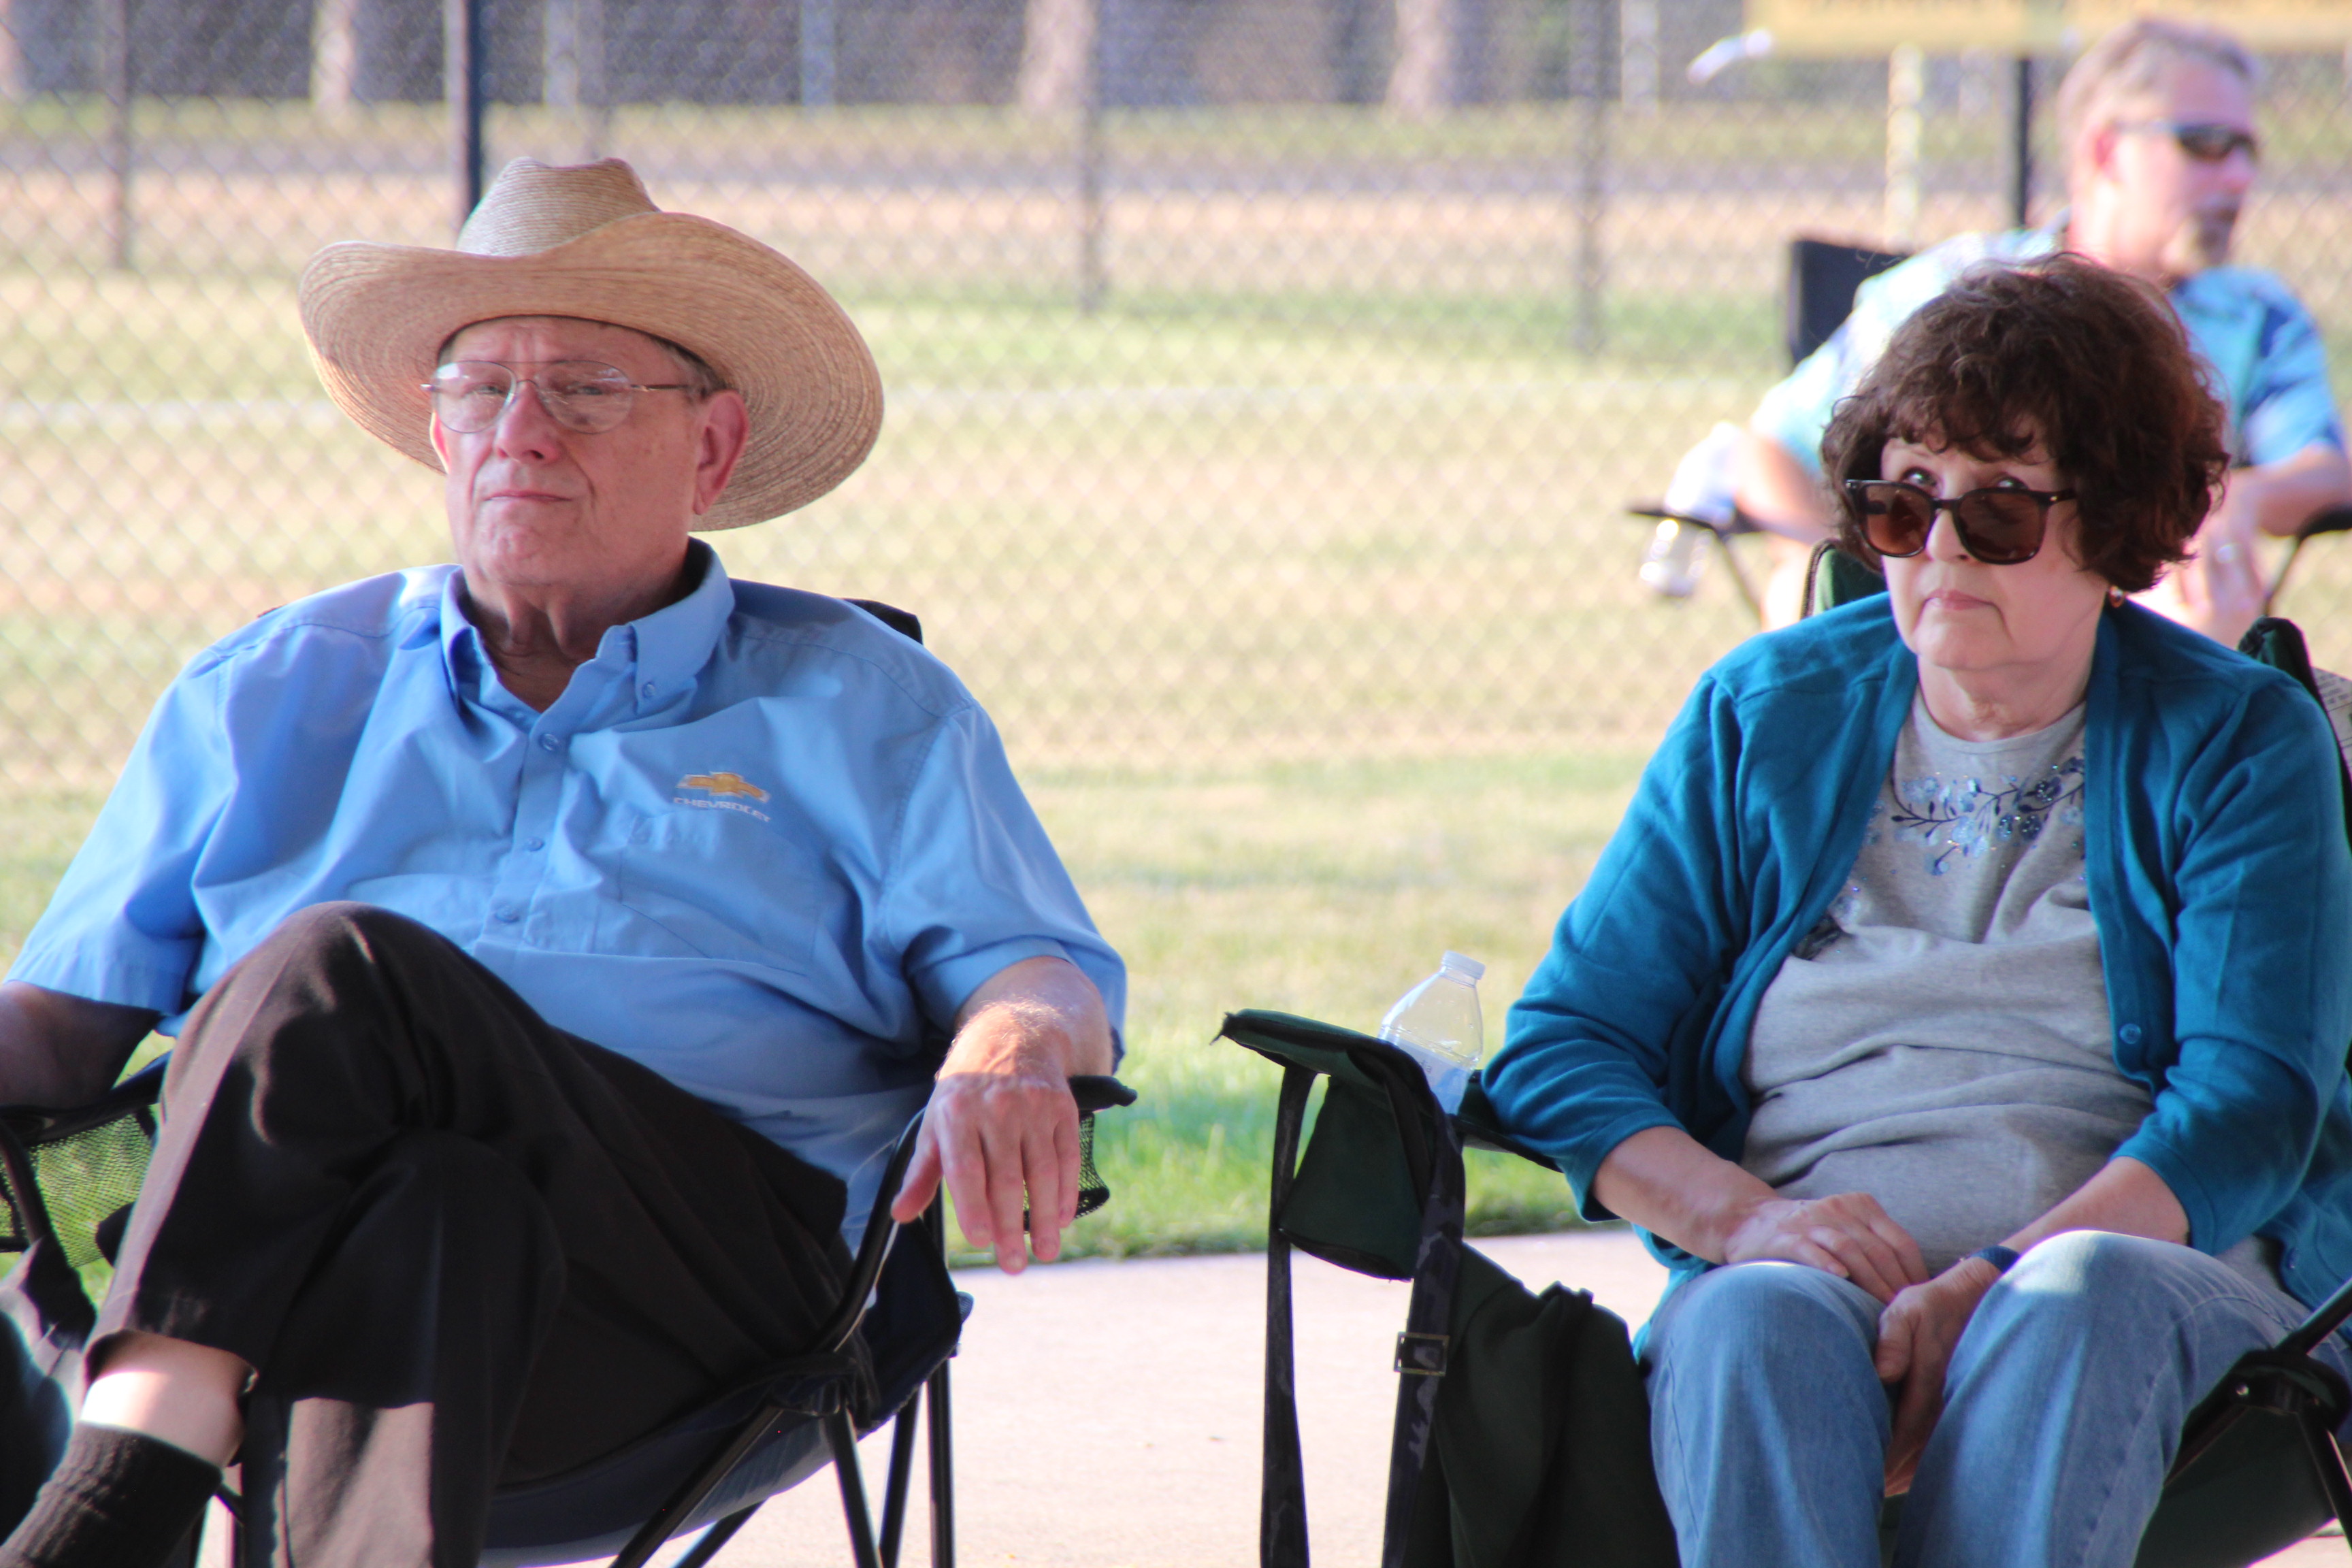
459 1245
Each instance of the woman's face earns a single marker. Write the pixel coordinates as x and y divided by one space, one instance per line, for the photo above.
2038 619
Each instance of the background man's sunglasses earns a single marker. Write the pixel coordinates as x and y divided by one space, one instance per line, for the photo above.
1998 527
2205 142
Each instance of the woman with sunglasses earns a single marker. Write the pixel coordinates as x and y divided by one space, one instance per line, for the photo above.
1961 1006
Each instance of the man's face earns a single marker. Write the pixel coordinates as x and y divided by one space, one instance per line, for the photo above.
2176 214
535 506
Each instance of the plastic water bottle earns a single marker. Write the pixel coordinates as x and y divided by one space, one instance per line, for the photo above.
1436 1022
1703 488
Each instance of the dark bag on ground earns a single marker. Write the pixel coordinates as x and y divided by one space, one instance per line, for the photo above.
1523 1431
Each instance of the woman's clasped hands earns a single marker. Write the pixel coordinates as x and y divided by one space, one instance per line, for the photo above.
1850 1235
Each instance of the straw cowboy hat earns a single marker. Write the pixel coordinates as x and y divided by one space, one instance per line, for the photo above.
589 242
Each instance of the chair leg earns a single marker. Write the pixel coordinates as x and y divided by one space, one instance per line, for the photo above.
902 1466
2326 1462
2278 584
1738 578
843 1439
718 1535
942 1473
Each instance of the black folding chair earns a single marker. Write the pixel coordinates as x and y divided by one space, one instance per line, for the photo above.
70 1176
1823 277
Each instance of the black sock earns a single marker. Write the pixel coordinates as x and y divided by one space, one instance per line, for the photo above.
117 1499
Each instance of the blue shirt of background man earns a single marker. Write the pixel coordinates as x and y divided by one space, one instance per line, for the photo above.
761 844
2269 363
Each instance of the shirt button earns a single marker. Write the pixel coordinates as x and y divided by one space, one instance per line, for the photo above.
508 916
2128 1034
647 689
550 742
534 843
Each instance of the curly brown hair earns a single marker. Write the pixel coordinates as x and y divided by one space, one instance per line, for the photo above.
2084 362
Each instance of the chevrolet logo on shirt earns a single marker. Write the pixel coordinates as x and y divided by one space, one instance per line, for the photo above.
727 787
723 783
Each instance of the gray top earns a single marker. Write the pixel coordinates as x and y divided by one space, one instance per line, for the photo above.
1940 1040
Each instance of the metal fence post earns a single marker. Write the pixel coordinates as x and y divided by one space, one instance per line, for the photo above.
115 73
463 71
2021 177
1587 85
1092 282
1907 90
819 31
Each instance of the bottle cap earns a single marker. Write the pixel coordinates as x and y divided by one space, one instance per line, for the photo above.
1461 966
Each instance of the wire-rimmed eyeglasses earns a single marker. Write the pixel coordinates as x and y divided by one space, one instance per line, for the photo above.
469 395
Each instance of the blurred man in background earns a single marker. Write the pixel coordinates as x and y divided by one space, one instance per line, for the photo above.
2158 120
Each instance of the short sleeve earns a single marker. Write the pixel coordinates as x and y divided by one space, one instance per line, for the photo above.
974 886
124 926
2289 405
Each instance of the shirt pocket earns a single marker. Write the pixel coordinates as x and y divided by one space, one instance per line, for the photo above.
726 884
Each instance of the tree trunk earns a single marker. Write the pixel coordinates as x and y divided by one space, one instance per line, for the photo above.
1422 82
1057 47
334 56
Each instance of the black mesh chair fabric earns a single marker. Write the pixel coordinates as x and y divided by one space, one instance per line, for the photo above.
75 1172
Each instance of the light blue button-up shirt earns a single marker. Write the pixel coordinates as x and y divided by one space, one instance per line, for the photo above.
2269 363
761 844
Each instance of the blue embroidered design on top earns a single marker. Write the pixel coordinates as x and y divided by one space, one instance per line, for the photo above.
1964 817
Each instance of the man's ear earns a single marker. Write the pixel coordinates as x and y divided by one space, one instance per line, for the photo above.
2100 149
719 438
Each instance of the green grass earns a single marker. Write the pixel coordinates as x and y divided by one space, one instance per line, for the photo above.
1295 576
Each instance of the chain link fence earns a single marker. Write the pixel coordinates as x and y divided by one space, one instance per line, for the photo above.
1265 379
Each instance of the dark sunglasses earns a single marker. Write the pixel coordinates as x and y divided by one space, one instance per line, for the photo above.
2207 143
1997 526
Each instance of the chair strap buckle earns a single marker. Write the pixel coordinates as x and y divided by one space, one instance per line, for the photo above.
1422 1355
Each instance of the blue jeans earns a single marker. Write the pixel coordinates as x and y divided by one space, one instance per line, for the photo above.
2064 1407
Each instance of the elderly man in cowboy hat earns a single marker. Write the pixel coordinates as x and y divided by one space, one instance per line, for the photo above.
554 939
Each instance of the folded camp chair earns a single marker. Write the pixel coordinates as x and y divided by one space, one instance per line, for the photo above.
70 1177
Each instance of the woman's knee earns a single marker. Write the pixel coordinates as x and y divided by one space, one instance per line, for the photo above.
1758 1315
2082 1296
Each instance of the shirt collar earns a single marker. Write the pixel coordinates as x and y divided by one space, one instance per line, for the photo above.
670 646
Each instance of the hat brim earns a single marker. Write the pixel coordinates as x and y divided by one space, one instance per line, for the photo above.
377 315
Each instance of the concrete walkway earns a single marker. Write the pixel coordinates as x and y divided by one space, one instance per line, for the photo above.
1107 1413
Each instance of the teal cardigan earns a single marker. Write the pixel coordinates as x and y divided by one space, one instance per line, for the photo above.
2219 877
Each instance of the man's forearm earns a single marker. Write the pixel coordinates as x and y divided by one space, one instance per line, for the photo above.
2279 497
1781 493
61 1051
1039 1011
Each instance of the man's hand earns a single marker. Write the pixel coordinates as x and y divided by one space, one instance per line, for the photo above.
1915 1336
1846 1234
2219 590
1002 1129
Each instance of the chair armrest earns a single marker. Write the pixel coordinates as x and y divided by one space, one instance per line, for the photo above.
1099 1091
2327 519
36 1125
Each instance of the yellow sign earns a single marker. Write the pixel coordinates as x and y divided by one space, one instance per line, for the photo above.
2018 27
